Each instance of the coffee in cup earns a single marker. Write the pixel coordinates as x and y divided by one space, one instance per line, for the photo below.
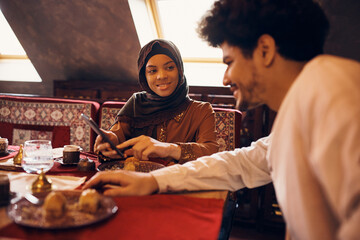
4 143
71 154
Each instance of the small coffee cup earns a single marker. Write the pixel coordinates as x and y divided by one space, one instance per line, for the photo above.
4 143
71 154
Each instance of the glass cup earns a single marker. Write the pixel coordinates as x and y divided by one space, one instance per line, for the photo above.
38 158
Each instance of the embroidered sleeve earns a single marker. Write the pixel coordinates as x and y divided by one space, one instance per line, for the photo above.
187 153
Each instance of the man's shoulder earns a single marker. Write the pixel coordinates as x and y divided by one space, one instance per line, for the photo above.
326 80
326 61
328 70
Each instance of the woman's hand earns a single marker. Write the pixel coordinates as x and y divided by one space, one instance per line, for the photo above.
144 147
127 183
104 147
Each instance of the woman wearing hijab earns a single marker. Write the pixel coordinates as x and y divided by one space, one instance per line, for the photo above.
162 121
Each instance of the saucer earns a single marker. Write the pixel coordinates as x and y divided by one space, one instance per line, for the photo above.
61 161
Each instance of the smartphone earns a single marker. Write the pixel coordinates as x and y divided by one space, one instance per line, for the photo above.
96 128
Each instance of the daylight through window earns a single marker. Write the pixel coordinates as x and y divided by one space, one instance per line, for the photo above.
174 20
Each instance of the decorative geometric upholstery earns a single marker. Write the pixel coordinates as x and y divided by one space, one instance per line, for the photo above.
108 112
227 121
58 120
228 124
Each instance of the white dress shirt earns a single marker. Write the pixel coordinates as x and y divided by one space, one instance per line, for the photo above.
312 155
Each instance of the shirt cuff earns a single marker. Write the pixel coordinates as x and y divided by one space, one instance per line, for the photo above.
187 153
168 178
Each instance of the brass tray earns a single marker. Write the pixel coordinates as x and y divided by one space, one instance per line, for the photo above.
144 166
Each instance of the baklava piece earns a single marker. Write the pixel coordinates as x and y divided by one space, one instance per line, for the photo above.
54 205
89 201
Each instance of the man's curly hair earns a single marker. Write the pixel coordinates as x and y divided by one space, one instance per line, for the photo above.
299 27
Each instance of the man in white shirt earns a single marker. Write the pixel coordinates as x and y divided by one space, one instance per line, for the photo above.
272 49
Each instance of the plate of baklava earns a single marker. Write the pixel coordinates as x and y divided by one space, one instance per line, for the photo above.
63 209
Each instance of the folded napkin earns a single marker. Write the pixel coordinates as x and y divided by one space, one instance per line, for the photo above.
57 152
21 182
9 165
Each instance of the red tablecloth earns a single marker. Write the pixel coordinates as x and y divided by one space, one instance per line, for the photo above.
148 217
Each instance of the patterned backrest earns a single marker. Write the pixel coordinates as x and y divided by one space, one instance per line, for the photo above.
58 120
228 124
108 112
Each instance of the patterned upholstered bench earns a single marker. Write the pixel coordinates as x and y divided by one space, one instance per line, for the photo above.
108 112
228 123
58 120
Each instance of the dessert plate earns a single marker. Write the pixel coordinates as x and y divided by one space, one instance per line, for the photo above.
27 214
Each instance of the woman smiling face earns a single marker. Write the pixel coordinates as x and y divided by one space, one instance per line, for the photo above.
162 75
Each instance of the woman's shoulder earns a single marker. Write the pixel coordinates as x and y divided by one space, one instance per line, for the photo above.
200 105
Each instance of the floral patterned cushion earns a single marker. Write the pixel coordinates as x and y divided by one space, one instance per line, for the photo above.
58 120
108 112
228 124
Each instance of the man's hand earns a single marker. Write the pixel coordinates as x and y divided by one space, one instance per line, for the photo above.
126 183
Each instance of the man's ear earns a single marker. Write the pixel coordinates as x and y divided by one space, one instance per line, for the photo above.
267 48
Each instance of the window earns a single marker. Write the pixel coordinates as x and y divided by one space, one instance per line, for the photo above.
176 20
14 64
